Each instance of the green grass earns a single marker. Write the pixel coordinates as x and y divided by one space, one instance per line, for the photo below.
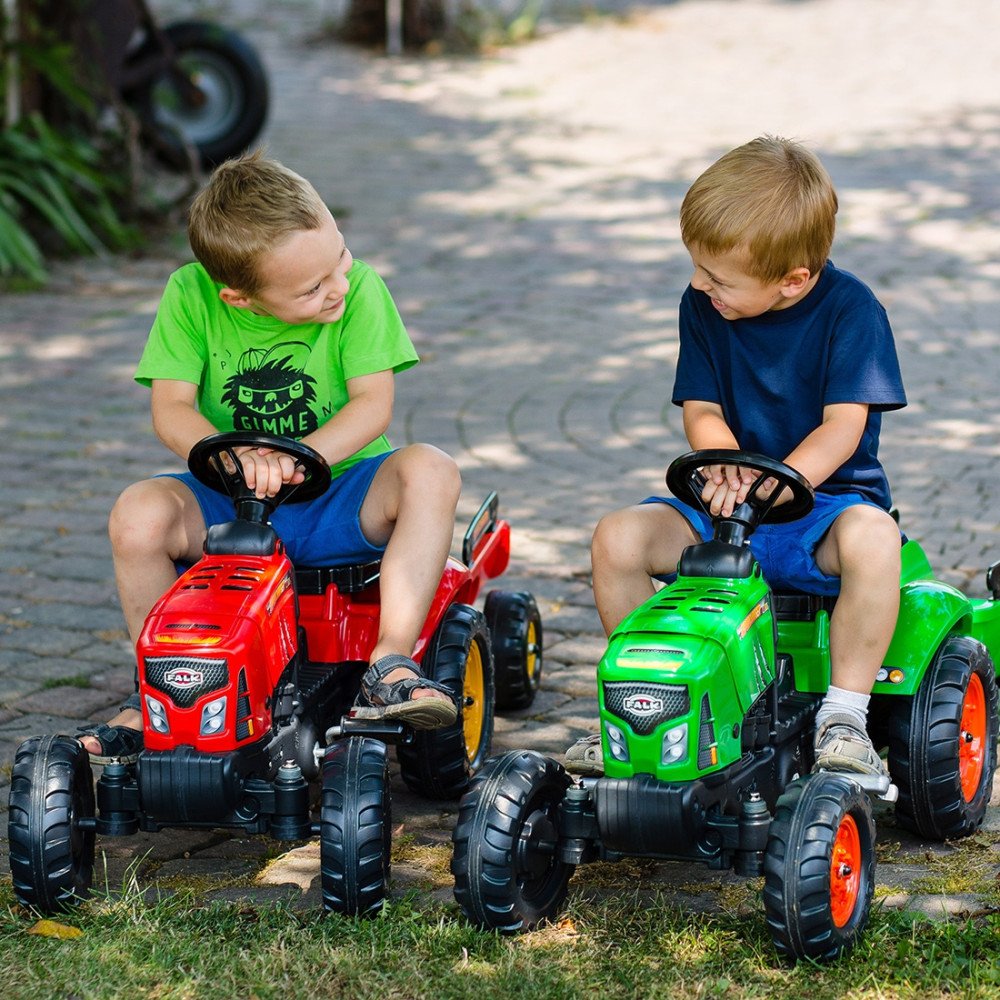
76 681
627 946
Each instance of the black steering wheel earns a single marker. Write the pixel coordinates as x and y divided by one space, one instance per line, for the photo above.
686 483
213 461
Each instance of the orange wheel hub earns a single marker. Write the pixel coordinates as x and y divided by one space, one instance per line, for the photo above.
972 738
845 871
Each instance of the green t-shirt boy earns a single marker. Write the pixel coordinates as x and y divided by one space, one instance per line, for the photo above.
258 373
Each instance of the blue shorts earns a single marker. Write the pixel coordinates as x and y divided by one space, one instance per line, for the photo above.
321 532
786 552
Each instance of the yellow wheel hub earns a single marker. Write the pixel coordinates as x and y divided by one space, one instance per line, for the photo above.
531 659
474 695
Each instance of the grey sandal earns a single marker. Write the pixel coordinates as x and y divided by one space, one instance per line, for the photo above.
119 744
841 745
378 700
585 756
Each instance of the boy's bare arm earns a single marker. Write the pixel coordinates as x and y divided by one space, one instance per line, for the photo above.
180 426
366 415
817 457
727 485
176 420
828 447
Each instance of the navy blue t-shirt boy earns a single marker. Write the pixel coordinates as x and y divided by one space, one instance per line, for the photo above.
772 374
781 354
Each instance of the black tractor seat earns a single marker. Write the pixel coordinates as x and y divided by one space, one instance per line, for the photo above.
798 606
348 579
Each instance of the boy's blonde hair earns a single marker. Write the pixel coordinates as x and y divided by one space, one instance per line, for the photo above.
249 206
771 200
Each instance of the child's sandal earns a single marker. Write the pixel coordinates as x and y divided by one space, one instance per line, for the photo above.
378 700
119 744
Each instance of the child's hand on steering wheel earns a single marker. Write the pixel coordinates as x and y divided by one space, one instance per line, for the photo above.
267 470
726 487
768 488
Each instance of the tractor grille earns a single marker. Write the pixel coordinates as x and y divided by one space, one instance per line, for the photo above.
184 679
645 706
244 724
707 751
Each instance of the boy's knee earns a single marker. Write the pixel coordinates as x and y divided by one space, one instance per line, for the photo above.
868 535
618 537
143 515
428 468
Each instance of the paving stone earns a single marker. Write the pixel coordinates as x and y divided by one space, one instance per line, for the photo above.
56 700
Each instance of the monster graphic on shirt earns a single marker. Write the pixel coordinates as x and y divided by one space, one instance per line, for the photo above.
271 391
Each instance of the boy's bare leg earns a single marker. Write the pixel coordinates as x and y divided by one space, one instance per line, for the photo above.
152 523
628 548
410 508
863 548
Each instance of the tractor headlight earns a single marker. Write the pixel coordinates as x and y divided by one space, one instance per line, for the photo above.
675 745
616 742
157 715
213 716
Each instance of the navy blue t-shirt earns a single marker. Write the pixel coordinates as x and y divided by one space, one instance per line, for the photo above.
773 374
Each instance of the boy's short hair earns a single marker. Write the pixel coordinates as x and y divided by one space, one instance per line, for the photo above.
249 206
772 199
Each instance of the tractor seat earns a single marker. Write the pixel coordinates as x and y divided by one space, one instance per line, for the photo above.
348 579
798 606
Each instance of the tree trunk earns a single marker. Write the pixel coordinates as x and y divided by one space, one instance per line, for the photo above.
423 21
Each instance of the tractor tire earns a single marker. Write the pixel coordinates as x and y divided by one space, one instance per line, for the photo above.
943 743
355 827
819 867
516 638
232 80
507 875
439 763
51 856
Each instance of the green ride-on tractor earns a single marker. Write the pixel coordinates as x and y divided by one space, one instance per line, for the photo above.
708 693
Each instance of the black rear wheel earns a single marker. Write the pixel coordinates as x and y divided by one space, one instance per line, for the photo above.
508 875
439 763
943 743
516 637
819 867
355 827
223 109
51 850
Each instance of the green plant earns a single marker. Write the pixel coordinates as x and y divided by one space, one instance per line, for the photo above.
55 197
476 27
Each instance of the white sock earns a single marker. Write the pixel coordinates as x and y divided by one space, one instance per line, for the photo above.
840 701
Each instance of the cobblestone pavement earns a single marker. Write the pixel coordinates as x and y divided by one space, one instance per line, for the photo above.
522 207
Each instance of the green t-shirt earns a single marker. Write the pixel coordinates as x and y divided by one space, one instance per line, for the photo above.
257 373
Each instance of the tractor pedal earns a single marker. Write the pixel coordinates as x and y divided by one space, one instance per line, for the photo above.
877 786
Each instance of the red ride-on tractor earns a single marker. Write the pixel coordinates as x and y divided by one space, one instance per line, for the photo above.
248 669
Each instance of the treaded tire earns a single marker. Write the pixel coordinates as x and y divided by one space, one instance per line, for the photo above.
236 89
516 637
926 743
439 763
355 827
51 858
814 909
507 876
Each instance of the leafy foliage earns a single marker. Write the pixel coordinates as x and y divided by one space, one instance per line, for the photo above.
54 198
64 178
